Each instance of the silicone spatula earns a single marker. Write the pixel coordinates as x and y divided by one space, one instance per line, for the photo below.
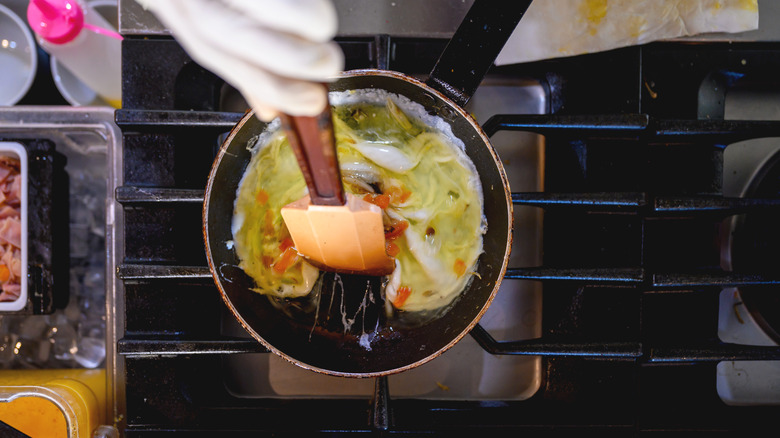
333 230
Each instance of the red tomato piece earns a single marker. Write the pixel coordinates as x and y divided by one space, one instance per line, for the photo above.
287 259
392 249
459 267
287 242
403 295
381 201
396 230
262 197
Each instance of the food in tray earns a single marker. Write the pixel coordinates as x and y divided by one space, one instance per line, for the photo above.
395 155
10 228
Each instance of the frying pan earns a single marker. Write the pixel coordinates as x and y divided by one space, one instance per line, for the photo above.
340 329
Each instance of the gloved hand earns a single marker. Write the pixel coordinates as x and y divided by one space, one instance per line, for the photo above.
275 52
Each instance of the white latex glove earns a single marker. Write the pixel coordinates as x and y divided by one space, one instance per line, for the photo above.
275 52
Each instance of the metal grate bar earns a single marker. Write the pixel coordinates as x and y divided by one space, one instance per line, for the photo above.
381 414
625 350
600 199
718 204
128 271
155 195
580 125
129 118
712 353
644 202
635 276
177 346
588 275
711 278
634 126
540 347
719 131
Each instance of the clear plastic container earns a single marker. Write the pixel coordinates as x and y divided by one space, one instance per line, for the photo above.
83 41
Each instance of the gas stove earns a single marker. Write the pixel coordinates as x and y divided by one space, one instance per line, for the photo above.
626 167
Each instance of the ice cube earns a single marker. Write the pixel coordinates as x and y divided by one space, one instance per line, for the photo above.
91 352
92 307
62 337
91 327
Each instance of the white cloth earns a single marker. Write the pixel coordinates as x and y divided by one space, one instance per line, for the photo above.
275 52
557 28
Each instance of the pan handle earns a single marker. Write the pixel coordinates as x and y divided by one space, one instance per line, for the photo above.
474 47
314 144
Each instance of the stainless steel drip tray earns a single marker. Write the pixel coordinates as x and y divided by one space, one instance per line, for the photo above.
466 371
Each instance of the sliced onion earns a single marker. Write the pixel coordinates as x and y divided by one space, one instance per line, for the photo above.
386 156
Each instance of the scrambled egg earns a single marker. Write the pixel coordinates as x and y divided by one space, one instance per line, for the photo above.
408 165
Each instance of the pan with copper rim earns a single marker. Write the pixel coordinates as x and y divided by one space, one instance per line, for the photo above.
344 331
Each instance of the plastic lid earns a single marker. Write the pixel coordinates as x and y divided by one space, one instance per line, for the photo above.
56 21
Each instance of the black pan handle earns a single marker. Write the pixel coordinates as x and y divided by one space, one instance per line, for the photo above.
474 47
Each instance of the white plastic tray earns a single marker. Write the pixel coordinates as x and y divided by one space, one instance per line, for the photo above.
17 150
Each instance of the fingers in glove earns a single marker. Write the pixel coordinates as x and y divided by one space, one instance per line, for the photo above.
286 55
314 20
273 70
243 39
265 91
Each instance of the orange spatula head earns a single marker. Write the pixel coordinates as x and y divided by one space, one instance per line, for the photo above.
345 238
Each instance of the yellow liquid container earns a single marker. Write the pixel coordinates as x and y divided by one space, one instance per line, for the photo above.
66 403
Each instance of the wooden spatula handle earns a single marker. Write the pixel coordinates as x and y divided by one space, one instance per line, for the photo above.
314 144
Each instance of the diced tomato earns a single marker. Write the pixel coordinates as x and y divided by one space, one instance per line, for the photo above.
396 230
403 295
459 267
4 273
392 249
287 242
392 195
287 259
382 201
262 197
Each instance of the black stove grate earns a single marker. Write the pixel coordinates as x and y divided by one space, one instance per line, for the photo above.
633 197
